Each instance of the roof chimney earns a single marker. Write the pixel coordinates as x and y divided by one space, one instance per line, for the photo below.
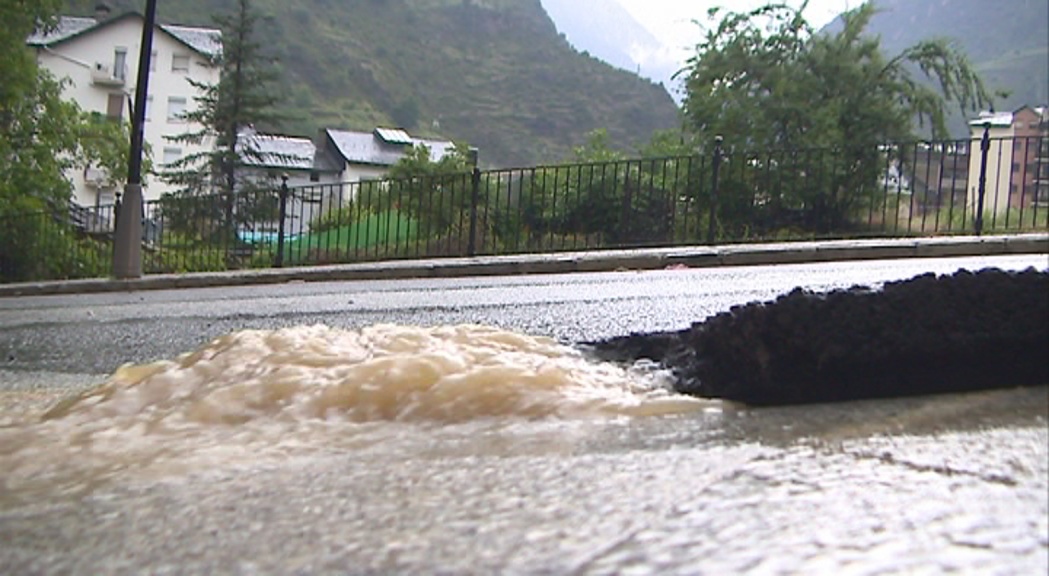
102 11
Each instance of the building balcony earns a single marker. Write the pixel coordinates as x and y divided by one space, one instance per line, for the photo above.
102 75
97 178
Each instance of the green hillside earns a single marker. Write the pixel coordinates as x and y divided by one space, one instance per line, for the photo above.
1006 40
494 73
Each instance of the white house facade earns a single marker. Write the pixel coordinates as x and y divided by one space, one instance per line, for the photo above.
999 159
325 175
99 60
1017 172
276 160
361 156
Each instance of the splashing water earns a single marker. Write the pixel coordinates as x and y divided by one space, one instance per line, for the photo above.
379 373
290 387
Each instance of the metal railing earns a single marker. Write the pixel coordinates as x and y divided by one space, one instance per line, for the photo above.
724 194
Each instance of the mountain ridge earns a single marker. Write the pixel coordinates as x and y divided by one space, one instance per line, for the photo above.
607 30
494 73
1006 41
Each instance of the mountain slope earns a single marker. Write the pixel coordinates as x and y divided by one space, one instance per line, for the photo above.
494 73
605 29
1006 40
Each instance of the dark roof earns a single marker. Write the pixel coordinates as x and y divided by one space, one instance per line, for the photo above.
383 147
206 41
277 151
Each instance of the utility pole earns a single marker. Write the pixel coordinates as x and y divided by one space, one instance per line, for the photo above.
127 253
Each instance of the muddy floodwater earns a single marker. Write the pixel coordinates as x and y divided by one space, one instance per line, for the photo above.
470 449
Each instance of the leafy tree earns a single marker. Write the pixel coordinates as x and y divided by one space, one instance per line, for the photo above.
605 198
42 136
216 191
765 80
437 194
42 139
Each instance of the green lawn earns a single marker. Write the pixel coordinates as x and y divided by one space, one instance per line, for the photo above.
390 228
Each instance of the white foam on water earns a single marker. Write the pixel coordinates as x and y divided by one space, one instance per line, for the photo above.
281 390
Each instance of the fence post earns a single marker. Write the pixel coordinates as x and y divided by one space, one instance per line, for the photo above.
278 259
475 193
712 228
985 147
116 212
116 222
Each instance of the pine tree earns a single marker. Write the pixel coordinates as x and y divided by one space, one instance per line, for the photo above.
213 184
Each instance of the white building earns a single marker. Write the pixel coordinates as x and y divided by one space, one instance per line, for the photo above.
369 155
276 160
1017 173
325 175
99 58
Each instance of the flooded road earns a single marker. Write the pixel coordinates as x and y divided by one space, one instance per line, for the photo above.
378 427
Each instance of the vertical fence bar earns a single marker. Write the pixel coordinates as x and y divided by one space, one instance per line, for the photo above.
334 213
1041 179
998 182
475 193
116 221
954 184
692 193
924 205
939 187
715 168
985 147
278 259
912 179
1024 173
624 209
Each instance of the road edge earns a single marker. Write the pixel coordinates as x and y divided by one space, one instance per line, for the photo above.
566 262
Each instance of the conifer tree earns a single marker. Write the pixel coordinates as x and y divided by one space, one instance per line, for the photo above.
243 98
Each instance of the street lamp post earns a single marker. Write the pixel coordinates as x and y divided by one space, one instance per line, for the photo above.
127 253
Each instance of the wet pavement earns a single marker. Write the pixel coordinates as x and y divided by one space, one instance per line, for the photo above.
956 483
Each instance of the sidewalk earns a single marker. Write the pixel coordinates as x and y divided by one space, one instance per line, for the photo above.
567 262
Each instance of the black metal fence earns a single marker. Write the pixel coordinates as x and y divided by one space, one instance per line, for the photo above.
993 185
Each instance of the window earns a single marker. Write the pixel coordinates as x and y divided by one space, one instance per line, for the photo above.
149 108
115 106
153 61
120 63
176 109
180 62
172 155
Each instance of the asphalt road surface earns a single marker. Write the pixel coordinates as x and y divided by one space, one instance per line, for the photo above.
94 334
161 478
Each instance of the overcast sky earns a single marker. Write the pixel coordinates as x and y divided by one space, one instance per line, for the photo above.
671 21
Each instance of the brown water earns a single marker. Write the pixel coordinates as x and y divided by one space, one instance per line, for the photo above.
467 449
275 391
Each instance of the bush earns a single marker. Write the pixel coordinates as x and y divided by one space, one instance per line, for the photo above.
42 246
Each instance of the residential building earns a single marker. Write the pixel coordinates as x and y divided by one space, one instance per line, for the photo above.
1017 170
369 155
276 160
274 156
98 57
325 175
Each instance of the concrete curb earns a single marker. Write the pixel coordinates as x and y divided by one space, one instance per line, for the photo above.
567 262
